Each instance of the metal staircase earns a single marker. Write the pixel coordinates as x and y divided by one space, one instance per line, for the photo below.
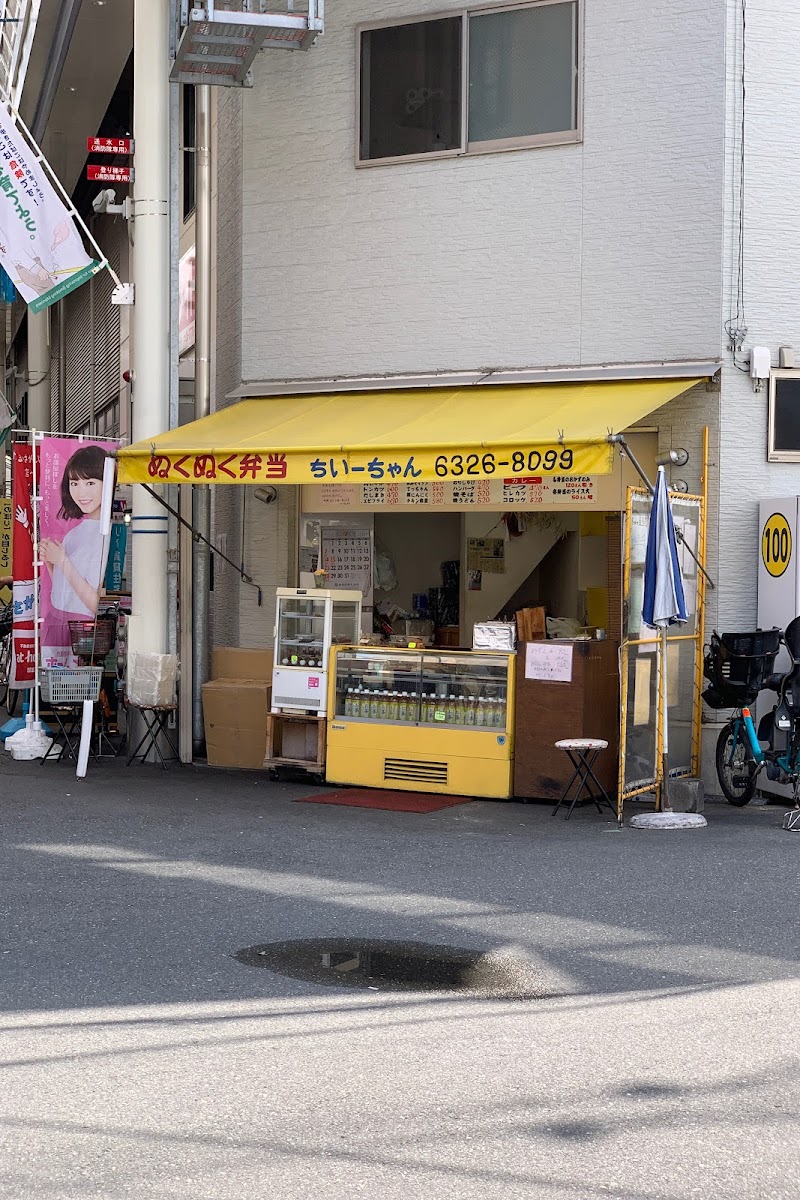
219 40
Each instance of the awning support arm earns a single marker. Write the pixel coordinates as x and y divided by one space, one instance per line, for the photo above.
618 439
245 578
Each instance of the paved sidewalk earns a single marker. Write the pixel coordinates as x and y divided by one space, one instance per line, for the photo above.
139 1059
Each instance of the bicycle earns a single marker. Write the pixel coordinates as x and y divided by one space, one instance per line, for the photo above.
739 666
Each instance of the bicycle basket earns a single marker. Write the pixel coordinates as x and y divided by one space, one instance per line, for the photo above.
736 665
92 639
70 685
6 620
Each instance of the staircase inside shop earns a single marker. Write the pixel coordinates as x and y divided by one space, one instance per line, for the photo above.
523 555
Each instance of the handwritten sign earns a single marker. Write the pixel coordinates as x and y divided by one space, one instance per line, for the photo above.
548 660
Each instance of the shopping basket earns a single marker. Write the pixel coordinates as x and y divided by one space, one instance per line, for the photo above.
70 685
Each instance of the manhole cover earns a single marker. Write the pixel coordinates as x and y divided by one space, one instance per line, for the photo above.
399 966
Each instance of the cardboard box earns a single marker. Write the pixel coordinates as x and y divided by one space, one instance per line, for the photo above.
235 715
241 662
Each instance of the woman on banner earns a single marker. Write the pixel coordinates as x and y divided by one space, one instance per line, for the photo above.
76 563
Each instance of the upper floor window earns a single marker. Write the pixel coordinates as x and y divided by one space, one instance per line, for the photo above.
488 79
188 180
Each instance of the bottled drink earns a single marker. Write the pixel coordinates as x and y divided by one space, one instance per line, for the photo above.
402 707
450 710
501 714
383 706
480 715
469 712
391 708
373 705
348 703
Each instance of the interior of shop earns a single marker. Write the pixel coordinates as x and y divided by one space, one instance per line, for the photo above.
433 571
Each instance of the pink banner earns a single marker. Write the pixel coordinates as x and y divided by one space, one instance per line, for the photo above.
24 672
71 544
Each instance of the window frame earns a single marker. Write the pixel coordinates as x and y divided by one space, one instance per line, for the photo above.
495 145
773 455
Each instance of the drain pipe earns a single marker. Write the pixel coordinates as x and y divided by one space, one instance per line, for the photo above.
201 502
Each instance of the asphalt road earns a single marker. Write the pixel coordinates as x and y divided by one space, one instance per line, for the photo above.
140 1059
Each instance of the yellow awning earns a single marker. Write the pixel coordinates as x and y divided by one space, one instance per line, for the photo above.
478 432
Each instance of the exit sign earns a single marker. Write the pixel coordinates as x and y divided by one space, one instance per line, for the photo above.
109 174
104 145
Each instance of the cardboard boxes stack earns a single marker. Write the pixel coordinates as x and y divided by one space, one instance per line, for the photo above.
235 706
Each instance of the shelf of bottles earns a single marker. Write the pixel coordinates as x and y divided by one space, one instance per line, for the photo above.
430 689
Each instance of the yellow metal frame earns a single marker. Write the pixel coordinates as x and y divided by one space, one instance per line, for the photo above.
657 783
479 762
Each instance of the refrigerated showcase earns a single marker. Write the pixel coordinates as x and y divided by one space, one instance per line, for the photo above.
308 622
421 720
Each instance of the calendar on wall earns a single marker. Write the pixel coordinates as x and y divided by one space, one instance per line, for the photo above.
347 558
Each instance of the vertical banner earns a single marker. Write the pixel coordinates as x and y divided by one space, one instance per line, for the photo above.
6 541
40 247
24 672
115 571
71 543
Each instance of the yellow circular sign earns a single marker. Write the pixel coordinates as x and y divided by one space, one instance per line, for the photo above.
776 544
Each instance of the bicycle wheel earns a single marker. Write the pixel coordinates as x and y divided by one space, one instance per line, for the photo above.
735 769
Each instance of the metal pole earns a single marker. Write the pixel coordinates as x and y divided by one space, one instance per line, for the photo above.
39 370
62 367
173 544
151 311
201 649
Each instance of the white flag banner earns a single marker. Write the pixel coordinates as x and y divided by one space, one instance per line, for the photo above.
40 247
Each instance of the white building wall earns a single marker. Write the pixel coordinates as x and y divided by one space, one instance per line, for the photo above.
771 281
601 252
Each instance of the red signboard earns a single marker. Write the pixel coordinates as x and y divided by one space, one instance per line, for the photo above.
109 174
105 145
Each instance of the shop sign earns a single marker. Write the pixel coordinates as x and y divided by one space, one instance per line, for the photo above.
776 544
6 541
470 474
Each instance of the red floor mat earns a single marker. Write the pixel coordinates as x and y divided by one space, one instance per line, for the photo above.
417 802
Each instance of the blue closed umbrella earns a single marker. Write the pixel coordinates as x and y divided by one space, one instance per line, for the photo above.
664 602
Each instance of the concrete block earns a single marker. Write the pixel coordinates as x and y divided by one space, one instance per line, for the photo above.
686 795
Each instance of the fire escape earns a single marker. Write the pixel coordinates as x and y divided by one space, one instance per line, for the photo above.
219 40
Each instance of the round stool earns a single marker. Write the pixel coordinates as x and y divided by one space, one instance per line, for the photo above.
582 753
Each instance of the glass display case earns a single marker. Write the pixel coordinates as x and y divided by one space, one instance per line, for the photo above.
423 688
307 623
430 720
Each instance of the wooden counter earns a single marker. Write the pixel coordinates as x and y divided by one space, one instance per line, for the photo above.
547 711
